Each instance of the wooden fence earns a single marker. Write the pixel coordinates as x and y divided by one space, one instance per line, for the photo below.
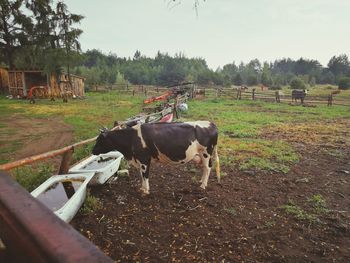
232 93
269 96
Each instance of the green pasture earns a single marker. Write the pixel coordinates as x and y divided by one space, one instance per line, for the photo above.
245 140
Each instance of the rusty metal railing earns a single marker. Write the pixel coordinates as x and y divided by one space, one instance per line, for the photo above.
32 233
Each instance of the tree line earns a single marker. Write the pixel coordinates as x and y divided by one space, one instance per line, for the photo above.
43 34
99 68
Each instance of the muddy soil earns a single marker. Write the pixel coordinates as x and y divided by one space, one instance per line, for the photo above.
241 220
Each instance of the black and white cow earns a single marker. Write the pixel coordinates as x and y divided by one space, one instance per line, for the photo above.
299 94
173 143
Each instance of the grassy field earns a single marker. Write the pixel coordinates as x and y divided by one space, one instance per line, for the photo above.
246 127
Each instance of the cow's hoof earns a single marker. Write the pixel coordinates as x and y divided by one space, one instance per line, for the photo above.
144 191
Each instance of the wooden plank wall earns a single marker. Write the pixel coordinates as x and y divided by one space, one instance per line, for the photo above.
4 81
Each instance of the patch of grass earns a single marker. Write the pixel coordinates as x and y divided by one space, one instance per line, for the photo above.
270 223
10 146
91 204
335 153
241 125
124 165
319 204
82 151
194 179
292 209
31 177
230 211
257 154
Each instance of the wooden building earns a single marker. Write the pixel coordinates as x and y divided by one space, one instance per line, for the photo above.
4 81
21 81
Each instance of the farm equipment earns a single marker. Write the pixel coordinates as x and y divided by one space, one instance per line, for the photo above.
163 112
38 92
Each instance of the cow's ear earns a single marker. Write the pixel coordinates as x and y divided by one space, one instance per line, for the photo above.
104 129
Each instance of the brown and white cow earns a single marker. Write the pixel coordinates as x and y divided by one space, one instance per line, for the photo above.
173 143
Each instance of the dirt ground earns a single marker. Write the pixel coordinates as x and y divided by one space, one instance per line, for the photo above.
35 136
241 220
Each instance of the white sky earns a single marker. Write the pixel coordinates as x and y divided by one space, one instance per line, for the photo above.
224 31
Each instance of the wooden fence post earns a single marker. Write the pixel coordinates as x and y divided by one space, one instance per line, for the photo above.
133 92
175 113
330 100
64 167
145 91
253 94
239 94
204 93
277 94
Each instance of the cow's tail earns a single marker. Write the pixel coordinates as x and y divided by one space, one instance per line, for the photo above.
217 163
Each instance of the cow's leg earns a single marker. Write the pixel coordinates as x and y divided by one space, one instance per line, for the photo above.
206 167
144 171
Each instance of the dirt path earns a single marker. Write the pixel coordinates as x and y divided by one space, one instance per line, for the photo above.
33 136
264 217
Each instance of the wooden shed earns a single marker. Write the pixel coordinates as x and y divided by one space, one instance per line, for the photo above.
4 81
21 81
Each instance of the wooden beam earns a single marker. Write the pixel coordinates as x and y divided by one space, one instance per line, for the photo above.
43 156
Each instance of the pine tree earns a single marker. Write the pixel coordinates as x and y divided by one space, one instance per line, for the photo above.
13 28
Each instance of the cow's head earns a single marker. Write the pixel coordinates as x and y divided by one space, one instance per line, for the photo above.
114 140
103 143
305 91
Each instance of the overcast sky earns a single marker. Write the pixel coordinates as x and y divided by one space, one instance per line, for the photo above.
224 30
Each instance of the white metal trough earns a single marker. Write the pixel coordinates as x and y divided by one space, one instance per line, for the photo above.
103 165
52 194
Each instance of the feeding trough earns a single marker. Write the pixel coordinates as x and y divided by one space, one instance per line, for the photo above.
103 165
64 194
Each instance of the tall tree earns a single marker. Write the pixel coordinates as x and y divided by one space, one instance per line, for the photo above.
68 35
238 80
13 26
339 65
266 79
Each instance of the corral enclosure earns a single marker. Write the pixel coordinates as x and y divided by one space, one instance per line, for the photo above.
284 195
